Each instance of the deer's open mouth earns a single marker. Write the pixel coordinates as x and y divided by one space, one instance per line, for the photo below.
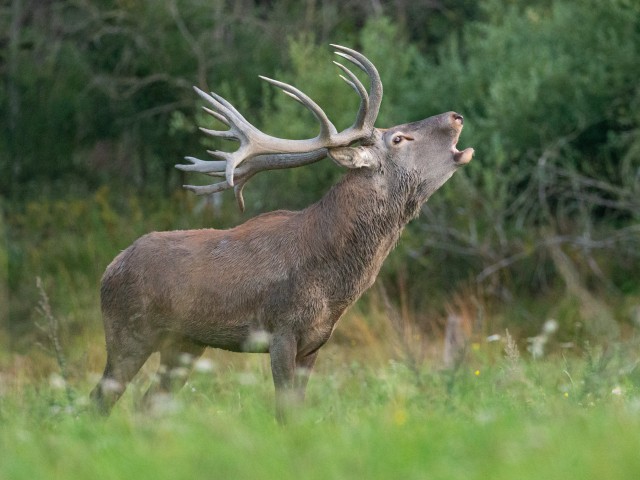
461 157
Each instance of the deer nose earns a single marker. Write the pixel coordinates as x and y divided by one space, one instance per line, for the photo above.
457 118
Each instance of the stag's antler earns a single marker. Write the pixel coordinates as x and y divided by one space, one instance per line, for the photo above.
259 151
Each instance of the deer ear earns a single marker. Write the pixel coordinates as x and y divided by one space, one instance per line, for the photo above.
352 157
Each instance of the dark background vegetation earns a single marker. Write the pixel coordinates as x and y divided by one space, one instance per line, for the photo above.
96 108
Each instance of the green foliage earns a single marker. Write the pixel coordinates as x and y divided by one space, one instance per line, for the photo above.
547 89
543 84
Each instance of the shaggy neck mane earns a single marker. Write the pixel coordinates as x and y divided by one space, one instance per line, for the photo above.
352 229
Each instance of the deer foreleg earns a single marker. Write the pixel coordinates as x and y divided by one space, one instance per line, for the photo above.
283 366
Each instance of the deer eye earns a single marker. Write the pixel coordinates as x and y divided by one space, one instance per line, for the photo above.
399 137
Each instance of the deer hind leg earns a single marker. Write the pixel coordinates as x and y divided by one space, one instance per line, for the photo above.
177 356
120 369
304 367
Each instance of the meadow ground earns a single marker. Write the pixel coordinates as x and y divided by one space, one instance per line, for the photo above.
499 414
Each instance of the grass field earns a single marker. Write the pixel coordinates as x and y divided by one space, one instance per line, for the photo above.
497 415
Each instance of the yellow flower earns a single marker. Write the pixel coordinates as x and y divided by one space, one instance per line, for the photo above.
477 373
400 416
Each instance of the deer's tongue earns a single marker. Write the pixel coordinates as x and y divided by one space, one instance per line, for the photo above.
463 157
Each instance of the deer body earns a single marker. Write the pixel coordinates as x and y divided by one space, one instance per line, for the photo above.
279 282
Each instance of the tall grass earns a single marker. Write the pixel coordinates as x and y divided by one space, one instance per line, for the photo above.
505 417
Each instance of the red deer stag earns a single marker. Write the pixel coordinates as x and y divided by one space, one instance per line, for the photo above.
279 282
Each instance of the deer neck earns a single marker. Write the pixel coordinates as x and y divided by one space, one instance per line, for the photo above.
380 203
353 228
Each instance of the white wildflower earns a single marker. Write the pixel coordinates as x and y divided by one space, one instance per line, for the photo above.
204 365
550 327
186 359
56 382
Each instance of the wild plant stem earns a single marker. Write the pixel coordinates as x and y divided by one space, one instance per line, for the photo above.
53 334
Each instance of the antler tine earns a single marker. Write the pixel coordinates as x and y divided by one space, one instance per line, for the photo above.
357 85
353 81
234 115
234 119
226 134
229 114
351 59
216 115
326 127
202 166
213 168
368 112
224 156
237 191
208 189
220 112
